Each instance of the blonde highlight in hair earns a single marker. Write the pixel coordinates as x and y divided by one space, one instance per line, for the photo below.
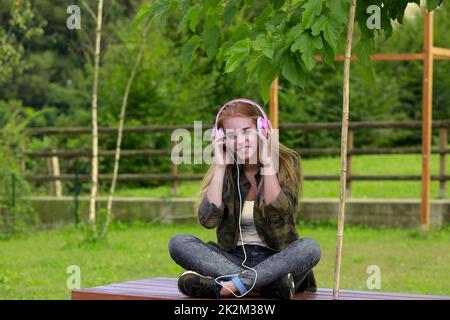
290 172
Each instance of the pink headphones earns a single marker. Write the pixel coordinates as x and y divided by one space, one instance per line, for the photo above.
262 123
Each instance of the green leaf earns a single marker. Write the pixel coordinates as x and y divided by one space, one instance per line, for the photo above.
188 51
294 33
241 32
255 58
194 15
210 37
229 13
307 45
331 29
141 15
433 4
280 46
277 4
266 74
313 8
386 21
292 70
184 6
237 53
261 44
182 24
400 10
263 16
211 4
211 32
328 55
318 25
363 49
158 9
277 22
338 10
235 60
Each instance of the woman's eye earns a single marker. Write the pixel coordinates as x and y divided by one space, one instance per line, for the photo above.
248 132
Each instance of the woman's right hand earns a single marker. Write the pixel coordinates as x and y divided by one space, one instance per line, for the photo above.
221 157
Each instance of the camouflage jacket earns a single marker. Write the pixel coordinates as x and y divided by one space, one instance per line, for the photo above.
277 227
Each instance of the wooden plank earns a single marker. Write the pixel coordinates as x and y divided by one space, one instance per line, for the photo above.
383 57
442 53
273 104
164 288
443 139
165 177
162 152
427 103
286 126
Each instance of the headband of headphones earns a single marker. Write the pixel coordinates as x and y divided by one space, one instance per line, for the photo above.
251 102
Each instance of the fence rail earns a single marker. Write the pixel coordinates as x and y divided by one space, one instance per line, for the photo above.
53 156
170 177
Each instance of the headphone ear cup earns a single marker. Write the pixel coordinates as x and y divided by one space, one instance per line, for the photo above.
259 125
213 134
262 126
221 133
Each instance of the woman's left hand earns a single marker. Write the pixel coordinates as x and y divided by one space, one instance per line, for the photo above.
268 152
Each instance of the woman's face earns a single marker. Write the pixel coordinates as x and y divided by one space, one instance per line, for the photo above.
241 136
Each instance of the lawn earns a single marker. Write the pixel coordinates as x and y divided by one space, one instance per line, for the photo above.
361 165
34 267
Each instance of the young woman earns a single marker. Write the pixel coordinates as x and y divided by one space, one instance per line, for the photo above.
278 262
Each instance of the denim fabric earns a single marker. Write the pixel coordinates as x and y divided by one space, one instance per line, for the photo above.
299 257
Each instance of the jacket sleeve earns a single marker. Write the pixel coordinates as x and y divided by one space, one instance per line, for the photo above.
284 206
209 215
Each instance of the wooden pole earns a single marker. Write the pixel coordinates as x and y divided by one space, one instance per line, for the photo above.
443 140
344 131
427 103
174 172
273 104
94 160
56 172
349 164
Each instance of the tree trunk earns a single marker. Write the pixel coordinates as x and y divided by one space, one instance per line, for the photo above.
119 135
94 163
344 132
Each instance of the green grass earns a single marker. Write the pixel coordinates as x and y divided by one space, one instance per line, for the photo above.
34 267
361 165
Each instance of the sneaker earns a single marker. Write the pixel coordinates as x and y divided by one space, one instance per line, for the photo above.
194 284
283 288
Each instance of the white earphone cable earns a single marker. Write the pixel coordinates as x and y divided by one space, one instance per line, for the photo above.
243 244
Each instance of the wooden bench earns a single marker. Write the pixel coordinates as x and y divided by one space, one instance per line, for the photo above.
166 289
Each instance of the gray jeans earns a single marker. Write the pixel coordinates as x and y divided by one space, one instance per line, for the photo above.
299 258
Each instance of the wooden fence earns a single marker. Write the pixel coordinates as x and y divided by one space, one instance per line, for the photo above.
55 177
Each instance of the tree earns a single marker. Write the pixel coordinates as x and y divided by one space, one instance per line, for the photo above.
264 39
119 134
94 162
22 27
